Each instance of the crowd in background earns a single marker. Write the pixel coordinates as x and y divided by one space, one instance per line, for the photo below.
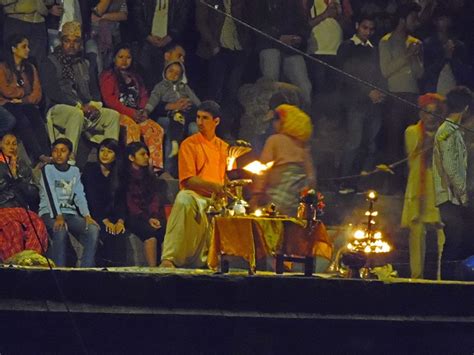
133 73
218 56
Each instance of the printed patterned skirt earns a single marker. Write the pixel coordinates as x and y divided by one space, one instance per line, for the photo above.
17 233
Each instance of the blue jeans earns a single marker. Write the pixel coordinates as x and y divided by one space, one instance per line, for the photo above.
363 126
88 236
293 66
7 121
171 165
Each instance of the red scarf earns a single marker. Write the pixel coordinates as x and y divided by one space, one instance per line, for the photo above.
426 153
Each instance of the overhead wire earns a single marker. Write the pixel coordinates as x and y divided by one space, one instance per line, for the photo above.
59 288
344 73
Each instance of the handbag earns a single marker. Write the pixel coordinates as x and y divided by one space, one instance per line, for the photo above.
27 194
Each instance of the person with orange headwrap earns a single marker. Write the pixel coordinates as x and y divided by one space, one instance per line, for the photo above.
419 209
290 151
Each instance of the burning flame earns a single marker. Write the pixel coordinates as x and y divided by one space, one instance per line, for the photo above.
359 234
363 242
257 167
230 163
372 195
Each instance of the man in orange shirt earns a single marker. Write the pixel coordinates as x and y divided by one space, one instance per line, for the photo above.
202 164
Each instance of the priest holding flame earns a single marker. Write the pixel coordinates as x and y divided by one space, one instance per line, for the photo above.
202 163
290 151
203 160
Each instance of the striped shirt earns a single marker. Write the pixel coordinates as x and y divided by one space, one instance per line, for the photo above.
450 165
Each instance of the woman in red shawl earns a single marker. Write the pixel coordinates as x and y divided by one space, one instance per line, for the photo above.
123 90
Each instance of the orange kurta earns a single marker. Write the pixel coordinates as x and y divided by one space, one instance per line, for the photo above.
202 158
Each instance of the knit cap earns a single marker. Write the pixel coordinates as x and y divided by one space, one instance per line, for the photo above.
72 29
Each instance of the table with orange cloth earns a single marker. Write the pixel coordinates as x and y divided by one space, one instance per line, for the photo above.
254 238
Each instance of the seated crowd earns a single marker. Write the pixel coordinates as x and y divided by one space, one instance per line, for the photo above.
142 111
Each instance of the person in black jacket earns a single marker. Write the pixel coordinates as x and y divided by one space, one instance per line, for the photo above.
226 45
107 206
157 23
357 56
101 183
80 10
284 20
445 57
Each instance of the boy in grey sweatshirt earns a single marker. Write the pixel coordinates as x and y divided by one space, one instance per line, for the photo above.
176 98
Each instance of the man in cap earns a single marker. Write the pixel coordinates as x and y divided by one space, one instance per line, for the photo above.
70 84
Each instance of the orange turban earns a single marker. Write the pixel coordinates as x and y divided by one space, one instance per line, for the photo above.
430 98
294 122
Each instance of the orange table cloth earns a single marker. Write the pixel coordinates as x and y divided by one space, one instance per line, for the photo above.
253 238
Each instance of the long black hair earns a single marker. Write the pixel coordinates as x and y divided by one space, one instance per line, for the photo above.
12 42
115 167
132 149
148 182
132 70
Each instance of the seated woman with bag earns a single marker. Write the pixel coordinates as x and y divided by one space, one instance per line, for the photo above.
20 227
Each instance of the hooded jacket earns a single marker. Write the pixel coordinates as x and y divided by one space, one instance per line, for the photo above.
167 91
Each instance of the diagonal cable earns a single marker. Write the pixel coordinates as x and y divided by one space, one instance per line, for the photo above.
321 62
51 269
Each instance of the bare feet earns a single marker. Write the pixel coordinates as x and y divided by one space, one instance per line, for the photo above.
167 264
